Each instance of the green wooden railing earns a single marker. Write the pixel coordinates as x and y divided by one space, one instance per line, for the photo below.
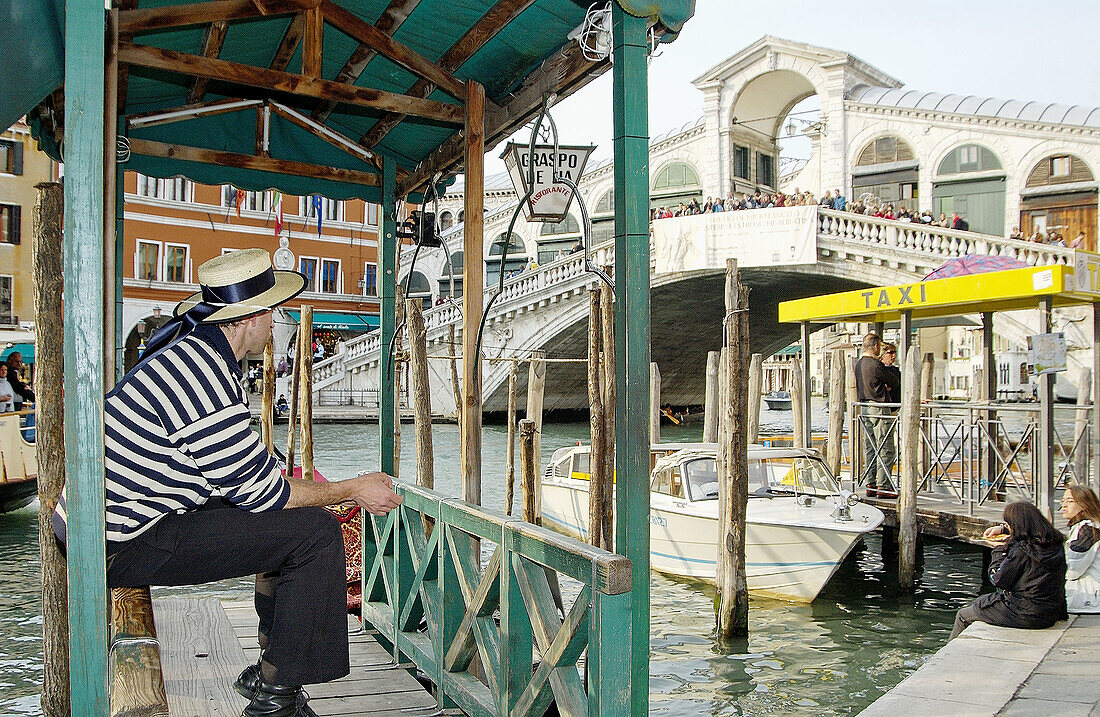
429 597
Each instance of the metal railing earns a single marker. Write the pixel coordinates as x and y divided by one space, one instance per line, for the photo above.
432 601
976 452
347 397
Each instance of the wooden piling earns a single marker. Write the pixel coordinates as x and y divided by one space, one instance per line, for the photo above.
456 387
733 608
654 403
267 398
756 378
50 445
909 438
528 472
305 388
509 489
927 374
797 405
536 392
836 411
421 390
1081 429
607 335
851 397
710 403
398 367
599 489
292 412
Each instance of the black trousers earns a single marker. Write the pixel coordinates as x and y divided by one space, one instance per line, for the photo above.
302 550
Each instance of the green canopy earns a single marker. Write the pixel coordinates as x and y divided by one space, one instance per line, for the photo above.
517 49
340 320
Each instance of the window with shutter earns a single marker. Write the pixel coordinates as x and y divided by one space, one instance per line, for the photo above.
10 231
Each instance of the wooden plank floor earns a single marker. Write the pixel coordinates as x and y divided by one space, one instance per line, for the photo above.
205 644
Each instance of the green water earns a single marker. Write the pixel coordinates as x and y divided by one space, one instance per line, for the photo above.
834 657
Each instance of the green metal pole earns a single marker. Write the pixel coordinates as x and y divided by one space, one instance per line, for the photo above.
631 145
83 352
120 242
387 260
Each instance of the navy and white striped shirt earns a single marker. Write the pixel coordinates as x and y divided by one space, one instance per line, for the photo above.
176 432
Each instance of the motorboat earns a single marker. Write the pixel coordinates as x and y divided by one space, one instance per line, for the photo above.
18 461
778 400
800 524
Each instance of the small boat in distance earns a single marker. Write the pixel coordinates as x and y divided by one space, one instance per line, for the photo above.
18 463
800 524
778 400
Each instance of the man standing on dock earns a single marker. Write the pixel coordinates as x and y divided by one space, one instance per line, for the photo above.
193 496
876 384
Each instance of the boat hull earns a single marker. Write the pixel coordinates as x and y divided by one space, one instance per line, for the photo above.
791 550
17 494
778 404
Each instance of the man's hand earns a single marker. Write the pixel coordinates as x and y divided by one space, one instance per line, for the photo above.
374 492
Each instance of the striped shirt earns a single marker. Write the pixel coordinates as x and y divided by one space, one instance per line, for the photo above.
176 432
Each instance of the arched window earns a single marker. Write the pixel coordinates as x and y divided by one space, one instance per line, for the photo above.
418 285
569 225
454 266
884 150
1059 169
969 158
461 215
515 246
606 205
603 221
676 176
517 258
446 221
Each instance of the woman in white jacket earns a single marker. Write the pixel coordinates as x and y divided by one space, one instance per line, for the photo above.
1081 508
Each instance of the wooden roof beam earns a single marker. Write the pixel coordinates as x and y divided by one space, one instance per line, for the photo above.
291 39
124 70
392 17
202 13
150 148
312 43
367 34
480 33
211 47
283 82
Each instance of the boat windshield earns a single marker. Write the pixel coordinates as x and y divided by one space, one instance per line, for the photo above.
795 474
701 477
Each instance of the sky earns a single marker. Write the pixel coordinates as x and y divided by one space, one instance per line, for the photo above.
1046 51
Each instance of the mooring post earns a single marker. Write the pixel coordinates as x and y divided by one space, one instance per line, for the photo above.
927 373
733 494
456 386
807 393
1044 494
599 492
756 376
909 435
850 400
607 359
654 403
1095 438
1081 429
536 393
292 415
421 389
50 443
836 411
528 472
710 403
398 367
473 290
797 406
267 398
305 391
509 489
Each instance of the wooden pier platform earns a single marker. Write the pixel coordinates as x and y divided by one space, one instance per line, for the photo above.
998 671
944 517
204 645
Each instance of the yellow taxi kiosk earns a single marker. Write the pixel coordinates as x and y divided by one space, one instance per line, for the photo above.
1042 288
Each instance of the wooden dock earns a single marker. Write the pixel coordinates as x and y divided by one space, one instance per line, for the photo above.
944 517
204 645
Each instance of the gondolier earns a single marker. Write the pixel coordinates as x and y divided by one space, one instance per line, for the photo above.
193 496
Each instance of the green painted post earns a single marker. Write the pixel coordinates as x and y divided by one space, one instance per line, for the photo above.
387 260
120 241
516 635
83 350
631 145
607 694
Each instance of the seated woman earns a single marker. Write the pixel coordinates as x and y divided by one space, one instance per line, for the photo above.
1028 570
1081 508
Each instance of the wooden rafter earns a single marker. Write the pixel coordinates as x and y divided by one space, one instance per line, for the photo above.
367 34
124 70
211 47
283 82
482 31
561 74
395 13
203 13
312 42
291 39
246 161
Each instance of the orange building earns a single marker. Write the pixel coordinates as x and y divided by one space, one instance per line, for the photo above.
174 225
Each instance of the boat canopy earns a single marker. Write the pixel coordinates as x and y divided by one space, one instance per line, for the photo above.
1009 290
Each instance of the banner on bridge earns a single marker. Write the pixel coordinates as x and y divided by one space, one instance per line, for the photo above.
755 237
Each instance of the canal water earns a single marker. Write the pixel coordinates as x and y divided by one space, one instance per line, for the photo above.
833 657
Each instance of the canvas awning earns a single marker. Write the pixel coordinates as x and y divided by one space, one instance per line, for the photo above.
340 320
381 79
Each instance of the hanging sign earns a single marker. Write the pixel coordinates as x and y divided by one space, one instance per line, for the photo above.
549 201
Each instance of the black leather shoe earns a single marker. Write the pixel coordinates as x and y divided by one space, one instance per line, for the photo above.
249 681
279 701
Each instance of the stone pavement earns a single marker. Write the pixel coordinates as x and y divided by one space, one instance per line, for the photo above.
993 671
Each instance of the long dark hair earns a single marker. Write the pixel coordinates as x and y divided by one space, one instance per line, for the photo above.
1027 525
1087 501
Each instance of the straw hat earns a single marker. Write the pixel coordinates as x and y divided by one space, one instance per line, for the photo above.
242 283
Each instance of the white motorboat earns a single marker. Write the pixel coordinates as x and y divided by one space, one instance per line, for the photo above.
800 524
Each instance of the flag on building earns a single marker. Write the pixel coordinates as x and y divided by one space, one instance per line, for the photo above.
278 212
240 200
316 200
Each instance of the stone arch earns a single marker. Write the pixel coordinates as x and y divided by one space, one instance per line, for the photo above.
675 193
952 141
974 194
446 220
